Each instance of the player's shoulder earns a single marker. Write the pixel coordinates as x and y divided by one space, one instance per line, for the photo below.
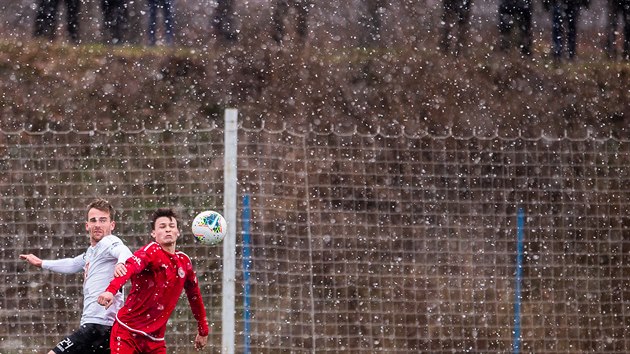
151 247
149 252
111 240
183 256
185 261
106 242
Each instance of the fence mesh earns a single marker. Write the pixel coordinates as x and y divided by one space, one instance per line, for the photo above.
360 242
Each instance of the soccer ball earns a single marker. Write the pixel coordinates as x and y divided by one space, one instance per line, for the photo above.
209 227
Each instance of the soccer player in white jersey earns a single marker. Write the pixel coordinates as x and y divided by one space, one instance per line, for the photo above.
100 262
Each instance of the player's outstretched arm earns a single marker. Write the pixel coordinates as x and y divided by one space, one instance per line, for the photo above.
63 266
32 259
201 342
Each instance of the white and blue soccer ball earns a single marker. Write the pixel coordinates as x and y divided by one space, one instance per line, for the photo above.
209 227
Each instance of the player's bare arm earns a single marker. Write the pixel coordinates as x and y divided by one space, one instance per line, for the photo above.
32 259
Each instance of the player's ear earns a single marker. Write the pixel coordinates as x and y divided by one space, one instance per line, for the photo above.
113 225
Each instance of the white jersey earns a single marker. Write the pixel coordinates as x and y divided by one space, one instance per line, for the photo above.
97 263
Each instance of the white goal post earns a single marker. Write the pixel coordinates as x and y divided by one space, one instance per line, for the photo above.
229 243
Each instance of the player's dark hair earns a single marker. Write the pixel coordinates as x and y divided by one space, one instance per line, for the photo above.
161 212
104 206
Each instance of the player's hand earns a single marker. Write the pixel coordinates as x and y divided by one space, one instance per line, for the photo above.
32 259
106 299
120 270
201 342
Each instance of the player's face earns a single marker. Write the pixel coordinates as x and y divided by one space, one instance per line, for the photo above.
165 231
98 225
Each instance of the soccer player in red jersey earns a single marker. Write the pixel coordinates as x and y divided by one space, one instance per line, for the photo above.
158 275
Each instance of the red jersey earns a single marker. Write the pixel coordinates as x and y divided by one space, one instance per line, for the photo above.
157 280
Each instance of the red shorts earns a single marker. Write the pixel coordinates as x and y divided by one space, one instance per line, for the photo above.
123 341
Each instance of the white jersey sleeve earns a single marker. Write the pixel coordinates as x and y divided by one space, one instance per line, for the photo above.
65 265
118 250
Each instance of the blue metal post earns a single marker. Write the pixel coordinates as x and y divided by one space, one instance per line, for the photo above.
520 224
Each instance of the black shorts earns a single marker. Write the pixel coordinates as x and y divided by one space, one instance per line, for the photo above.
89 338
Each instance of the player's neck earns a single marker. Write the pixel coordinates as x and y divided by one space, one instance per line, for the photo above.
169 248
